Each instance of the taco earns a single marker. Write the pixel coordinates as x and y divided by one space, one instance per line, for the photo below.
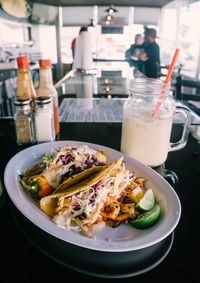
81 205
62 168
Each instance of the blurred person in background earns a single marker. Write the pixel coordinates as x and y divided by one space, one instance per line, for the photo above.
151 54
133 53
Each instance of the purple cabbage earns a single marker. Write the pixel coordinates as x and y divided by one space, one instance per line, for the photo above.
97 185
65 159
126 200
76 208
94 195
82 216
89 162
72 171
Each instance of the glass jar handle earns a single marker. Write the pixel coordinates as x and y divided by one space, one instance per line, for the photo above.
171 178
185 111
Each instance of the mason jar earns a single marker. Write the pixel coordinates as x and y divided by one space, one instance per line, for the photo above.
148 115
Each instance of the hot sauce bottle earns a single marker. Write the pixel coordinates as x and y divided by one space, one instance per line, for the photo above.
46 88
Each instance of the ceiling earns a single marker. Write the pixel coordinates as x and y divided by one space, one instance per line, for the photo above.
141 3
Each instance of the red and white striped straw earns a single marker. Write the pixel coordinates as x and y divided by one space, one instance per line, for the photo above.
166 81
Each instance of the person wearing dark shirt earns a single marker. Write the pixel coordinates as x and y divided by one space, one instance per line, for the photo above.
151 54
134 51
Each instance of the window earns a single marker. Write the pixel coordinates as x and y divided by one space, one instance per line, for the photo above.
179 28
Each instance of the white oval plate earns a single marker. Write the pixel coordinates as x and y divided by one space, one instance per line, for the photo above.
121 239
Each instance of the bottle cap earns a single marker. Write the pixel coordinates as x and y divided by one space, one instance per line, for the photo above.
45 63
21 102
41 100
23 62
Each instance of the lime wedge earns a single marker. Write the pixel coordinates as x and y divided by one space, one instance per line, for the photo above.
147 219
147 202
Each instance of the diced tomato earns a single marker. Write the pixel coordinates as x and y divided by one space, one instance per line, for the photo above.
45 191
44 188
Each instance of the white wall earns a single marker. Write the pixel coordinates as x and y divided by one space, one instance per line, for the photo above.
146 16
11 33
77 16
45 38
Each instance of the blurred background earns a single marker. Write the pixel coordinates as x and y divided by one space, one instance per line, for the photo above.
46 29
35 28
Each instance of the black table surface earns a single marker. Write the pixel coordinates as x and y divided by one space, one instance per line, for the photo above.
23 262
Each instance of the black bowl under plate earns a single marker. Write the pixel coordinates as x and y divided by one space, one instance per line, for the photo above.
92 262
2 194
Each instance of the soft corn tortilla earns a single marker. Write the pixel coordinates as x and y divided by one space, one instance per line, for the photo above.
76 178
49 203
52 176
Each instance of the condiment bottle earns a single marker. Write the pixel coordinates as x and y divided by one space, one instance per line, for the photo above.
47 88
44 123
25 88
23 119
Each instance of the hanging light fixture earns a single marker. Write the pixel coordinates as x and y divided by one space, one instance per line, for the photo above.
107 22
109 17
111 10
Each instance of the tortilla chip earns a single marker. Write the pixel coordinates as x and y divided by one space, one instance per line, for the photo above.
49 203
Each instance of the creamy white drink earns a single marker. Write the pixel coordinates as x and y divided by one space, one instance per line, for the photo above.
146 139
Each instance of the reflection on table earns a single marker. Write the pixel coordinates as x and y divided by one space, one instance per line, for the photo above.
103 81
80 85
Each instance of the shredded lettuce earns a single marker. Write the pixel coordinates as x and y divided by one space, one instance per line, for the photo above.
31 188
48 156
